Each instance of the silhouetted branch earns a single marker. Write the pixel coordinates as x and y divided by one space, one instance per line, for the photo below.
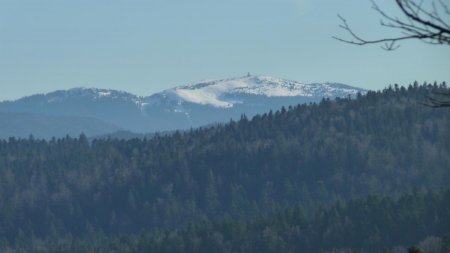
431 25
438 102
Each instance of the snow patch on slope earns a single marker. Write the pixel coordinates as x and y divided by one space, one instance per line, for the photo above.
217 93
203 97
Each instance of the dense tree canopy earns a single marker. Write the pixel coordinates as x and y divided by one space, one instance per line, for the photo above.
371 224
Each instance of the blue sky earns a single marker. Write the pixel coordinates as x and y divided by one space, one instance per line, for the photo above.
145 46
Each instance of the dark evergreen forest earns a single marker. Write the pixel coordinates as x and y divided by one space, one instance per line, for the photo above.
366 174
362 225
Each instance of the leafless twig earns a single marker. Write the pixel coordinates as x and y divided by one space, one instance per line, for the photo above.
436 102
429 24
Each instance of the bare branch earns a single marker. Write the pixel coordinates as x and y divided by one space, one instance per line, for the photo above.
445 7
418 22
416 17
441 93
437 102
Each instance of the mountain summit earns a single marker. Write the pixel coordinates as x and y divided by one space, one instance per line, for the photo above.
182 107
222 93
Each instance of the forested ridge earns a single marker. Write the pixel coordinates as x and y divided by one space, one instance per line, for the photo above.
384 144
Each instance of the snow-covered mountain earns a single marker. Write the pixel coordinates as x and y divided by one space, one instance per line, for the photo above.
223 93
182 107
205 102
215 93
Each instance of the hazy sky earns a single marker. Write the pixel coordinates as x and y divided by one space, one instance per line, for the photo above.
145 46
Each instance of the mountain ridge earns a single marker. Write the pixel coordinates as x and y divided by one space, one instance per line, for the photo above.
97 93
181 107
216 92
23 125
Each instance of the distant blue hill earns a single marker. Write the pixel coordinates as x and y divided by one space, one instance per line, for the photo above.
101 111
